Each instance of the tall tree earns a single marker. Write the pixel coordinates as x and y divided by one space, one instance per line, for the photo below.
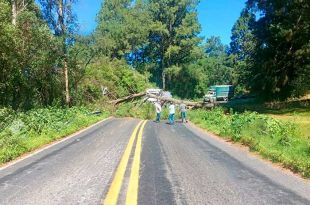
7 52
60 17
209 66
242 47
216 64
123 27
242 38
173 37
282 53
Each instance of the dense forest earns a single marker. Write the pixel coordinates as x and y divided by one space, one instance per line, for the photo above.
147 43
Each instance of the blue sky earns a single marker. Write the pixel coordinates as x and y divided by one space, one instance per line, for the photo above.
215 16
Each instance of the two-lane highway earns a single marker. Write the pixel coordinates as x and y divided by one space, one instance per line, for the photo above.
128 161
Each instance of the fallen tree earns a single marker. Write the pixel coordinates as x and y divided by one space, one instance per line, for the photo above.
129 97
187 103
190 104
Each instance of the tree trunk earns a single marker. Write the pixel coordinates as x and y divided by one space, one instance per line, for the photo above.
163 74
190 104
164 79
187 103
14 12
66 81
61 23
132 96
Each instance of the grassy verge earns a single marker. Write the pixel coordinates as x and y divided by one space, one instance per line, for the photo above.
296 111
278 140
301 120
21 132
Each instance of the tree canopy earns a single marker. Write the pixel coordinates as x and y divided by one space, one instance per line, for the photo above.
142 43
277 42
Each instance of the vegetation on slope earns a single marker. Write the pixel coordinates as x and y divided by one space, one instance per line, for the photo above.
22 132
277 140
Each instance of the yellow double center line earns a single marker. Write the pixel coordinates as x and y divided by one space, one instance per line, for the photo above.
133 186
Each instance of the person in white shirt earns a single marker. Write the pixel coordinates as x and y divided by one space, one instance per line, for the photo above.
158 111
171 113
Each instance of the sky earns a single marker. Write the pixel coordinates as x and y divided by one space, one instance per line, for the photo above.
216 17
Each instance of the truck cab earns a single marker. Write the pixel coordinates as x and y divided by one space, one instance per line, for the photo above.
210 96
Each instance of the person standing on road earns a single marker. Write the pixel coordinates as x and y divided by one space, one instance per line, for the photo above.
183 112
171 113
158 111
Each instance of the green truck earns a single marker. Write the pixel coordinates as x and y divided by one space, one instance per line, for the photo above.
219 93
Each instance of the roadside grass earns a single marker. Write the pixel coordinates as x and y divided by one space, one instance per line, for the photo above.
296 111
302 120
22 132
279 140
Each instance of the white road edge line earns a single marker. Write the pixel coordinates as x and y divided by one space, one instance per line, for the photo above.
26 156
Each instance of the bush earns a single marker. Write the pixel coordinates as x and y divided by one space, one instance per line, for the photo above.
276 140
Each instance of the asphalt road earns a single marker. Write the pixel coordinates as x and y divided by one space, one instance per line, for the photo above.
127 161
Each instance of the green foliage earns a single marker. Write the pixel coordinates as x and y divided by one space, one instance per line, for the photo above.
269 52
242 48
279 47
217 65
188 81
173 37
123 28
138 109
115 75
153 36
22 132
276 140
28 59
212 66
